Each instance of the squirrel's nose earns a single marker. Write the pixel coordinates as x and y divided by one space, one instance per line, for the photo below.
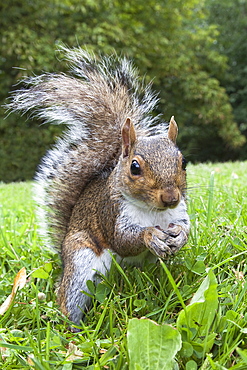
169 198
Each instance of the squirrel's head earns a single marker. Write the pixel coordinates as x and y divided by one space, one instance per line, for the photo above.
152 169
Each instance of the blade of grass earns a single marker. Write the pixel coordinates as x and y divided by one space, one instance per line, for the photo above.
210 199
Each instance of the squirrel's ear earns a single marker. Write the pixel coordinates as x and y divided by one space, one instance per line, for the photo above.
128 136
172 130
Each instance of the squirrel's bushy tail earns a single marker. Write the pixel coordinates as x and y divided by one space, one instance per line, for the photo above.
93 100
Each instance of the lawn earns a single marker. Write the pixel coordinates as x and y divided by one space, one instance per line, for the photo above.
193 306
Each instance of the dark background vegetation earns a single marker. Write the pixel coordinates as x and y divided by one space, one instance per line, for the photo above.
195 51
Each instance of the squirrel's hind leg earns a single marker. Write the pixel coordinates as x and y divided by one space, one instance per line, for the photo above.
82 265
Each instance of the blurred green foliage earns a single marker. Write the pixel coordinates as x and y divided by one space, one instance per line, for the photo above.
185 47
231 19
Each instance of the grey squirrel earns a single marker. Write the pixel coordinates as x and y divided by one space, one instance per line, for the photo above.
115 183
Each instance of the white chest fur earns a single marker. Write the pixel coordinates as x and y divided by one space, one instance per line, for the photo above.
144 217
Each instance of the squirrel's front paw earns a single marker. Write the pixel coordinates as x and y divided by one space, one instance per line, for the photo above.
155 240
177 237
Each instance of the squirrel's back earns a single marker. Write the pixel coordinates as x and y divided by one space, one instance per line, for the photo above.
93 100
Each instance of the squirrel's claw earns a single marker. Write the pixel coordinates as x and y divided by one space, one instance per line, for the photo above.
177 238
155 241
159 248
165 243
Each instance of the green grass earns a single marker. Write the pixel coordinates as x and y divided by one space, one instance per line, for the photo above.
36 335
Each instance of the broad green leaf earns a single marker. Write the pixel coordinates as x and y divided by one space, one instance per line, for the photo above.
191 365
48 267
232 315
152 346
200 313
186 350
208 342
139 304
68 366
40 273
91 286
199 267
138 367
102 291
203 345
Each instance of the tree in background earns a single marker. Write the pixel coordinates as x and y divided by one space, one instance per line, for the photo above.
170 42
231 19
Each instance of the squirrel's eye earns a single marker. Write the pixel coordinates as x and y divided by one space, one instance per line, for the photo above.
135 168
184 163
